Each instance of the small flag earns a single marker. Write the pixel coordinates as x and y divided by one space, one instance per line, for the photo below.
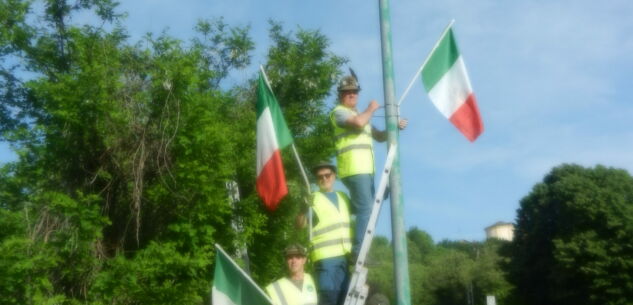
446 80
273 135
231 286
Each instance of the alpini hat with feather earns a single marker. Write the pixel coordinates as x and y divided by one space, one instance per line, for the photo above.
349 83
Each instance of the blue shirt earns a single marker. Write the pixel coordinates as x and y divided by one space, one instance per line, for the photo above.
332 197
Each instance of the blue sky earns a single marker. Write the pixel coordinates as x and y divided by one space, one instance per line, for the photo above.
552 79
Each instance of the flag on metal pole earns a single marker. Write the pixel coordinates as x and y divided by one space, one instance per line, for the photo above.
446 80
231 286
273 135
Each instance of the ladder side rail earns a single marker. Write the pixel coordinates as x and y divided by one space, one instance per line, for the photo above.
373 218
356 287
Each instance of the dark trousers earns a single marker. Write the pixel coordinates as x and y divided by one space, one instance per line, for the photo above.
361 191
332 277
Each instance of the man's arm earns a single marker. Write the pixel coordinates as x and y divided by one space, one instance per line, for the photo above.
359 121
381 135
302 219
378 135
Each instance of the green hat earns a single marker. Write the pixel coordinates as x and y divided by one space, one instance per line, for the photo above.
323 164
295 249
348 83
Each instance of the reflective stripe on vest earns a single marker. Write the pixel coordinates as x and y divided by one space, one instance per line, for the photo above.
351 132
280 293
353 146
331 243
332 235
331 228
355 154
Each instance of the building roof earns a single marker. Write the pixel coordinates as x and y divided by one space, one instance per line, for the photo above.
499 223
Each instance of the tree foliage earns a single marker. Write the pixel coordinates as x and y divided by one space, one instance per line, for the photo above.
125 150
449 272
573 238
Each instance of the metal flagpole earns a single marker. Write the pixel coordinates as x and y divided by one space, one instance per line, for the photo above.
296 155
303 171
401 265
305 179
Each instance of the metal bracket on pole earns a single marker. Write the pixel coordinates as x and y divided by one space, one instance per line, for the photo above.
357 291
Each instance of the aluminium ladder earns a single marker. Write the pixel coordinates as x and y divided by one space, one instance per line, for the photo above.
357 290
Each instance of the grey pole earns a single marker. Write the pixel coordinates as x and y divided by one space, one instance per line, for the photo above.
401 265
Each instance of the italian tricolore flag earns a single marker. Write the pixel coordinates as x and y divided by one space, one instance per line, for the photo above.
445 78
231 286
273 135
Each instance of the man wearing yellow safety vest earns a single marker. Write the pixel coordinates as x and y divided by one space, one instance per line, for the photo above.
298 287
331 237
354 137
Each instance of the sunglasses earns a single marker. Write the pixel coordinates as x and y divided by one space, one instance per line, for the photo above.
324 176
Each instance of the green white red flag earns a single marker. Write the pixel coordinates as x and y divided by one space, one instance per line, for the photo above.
446 80
232 286
273 135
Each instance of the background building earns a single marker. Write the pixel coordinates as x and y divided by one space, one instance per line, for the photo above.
501 230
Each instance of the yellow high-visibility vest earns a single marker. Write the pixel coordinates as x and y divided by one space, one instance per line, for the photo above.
284 292
354 147
332 236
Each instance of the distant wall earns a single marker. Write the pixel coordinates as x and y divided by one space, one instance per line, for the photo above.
503 231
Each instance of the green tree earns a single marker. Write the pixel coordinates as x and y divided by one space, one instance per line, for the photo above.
381 273
421 241
119 193
380 265
490 272
466 272
573 238
451 273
